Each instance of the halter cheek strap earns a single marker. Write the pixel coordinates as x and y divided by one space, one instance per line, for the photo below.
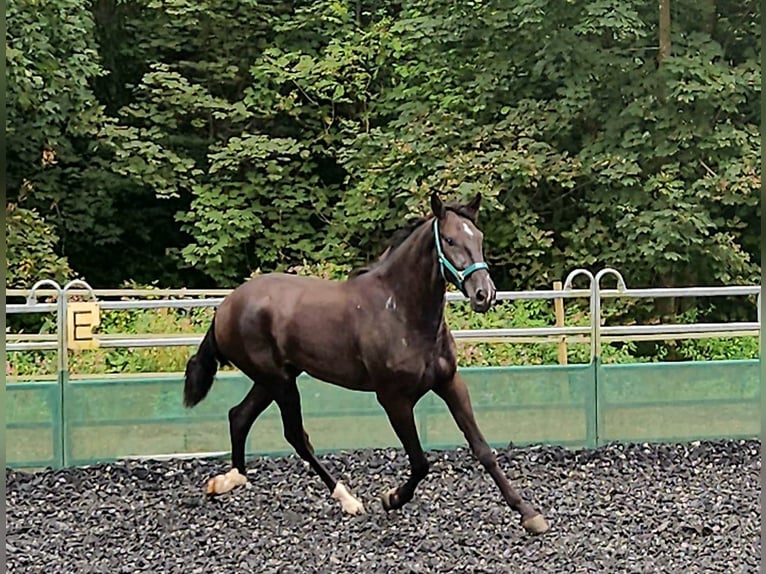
456 277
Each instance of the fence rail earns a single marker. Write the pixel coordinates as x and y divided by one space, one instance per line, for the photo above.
68 421
594 334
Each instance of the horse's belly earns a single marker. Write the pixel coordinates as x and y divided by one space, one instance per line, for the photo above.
328 353
346 378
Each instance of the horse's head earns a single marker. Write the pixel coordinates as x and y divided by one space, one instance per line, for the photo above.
460 253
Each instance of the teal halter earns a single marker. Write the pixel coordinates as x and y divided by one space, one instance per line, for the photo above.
457 278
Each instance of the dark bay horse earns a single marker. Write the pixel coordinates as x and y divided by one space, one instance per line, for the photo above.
382 330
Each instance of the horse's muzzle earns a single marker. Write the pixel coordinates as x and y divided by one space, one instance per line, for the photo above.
484 296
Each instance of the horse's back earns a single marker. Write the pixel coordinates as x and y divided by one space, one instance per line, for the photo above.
271 298
280 322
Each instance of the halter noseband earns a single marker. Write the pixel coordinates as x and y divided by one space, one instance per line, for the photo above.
457 278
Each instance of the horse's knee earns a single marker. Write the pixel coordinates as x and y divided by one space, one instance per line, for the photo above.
293 438
307 442
236 424
486 457
299 441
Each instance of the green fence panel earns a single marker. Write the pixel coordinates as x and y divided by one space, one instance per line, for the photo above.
119 417
133 416
338 419
114 418
579 405
671 402
522 405
33 425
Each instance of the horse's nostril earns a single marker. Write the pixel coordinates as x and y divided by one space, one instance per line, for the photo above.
481 296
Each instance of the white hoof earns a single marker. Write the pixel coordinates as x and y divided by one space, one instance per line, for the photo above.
225 482
536 525
350 504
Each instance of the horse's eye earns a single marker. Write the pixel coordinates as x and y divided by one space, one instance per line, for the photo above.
449 241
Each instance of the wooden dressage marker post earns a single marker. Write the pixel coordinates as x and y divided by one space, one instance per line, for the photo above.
82 318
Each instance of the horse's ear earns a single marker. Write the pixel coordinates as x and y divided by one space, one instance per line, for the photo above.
473 206
437 206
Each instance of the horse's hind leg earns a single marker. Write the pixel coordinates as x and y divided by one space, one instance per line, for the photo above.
288 398
241 419
455 394
400 413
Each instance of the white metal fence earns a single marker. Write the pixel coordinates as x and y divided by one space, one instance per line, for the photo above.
595 333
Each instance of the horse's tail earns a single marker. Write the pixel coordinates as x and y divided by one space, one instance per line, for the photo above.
201 369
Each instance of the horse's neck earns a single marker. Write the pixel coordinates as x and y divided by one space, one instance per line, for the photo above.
412 272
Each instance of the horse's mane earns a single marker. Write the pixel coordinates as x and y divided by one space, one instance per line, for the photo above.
400 236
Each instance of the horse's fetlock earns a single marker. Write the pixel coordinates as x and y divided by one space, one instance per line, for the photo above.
420 468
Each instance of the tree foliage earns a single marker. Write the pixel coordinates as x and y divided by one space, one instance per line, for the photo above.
53 122
200 141
31 241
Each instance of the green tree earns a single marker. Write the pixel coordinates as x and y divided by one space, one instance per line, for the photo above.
30 244
195 142
53 118
59 162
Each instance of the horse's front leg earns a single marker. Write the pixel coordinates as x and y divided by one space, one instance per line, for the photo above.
455 394
400 413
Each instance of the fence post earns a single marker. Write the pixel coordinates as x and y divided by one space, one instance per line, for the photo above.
64 364
597 303
759 311
558 307
596 318
591 401
58 431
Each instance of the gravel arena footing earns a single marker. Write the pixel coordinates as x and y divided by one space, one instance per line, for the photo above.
620 508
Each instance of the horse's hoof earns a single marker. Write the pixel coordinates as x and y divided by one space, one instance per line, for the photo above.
225 482
388 499
348 502
536 525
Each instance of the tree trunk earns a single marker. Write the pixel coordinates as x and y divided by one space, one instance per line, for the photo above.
710 15
664 31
